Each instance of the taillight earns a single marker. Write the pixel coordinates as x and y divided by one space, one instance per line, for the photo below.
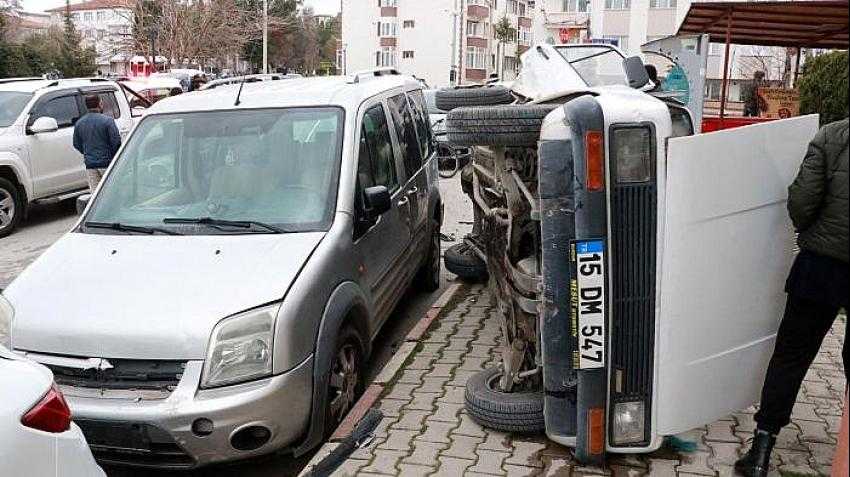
51 414
594 160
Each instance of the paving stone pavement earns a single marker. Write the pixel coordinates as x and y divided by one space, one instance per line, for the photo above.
426 430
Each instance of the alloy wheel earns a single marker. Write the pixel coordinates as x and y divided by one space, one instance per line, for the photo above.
7 208
343 381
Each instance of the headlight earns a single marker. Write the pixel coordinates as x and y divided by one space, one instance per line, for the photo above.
632 149
6 315
240 348
629 423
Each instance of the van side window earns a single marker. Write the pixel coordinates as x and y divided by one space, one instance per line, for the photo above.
65 110
376 164
406 131
417 102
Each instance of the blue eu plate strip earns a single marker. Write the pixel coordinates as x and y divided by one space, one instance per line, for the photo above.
594 246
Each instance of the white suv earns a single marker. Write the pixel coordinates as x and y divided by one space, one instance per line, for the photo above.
38 162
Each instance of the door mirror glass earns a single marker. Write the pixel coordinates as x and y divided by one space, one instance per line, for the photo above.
377 200
44 124
636 72
82 203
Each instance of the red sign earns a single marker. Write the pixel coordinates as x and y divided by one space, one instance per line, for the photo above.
567 34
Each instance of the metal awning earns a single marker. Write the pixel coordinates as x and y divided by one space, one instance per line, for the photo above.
797 24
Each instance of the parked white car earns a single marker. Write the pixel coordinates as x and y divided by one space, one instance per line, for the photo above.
38 162
37 435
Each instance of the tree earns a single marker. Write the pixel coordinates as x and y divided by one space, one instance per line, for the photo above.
505 33
823 86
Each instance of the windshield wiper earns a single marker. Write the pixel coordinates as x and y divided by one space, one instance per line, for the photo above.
129 228
242 224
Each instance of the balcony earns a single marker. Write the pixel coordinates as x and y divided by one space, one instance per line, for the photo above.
478 11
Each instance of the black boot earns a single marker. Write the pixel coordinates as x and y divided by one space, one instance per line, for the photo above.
757 461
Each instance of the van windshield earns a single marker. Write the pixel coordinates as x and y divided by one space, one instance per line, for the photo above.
597 65
272 166
12 103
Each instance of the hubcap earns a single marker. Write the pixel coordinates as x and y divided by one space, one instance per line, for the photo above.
7 208
343 382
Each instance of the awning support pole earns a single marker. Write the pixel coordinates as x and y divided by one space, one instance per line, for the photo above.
725 85
797 67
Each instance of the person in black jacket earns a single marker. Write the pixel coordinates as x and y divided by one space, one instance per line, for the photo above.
817 286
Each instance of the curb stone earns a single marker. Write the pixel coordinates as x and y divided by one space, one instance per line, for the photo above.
386 376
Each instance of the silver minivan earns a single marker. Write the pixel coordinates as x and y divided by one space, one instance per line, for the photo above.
221 291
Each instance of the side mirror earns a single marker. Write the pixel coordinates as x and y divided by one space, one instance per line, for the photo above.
44 124
377 200
82 203
636 72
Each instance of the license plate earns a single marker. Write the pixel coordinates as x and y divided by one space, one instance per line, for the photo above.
589 271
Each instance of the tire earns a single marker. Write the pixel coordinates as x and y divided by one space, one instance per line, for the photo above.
428 276
448 99
506 412
348 339
11 207
462 260
514 125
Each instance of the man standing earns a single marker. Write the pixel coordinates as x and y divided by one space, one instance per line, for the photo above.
817 286
750 95
97 138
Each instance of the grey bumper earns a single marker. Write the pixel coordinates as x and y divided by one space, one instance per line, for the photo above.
158 432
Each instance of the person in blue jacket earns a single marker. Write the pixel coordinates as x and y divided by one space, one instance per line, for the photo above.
97 138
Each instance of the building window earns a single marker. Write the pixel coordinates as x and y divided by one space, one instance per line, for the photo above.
385 57
101 16
576 6
409 24
387 3
662 3
477 29
387 28
617 4
407 55
476 57
523 35
88 16
101 34
716 49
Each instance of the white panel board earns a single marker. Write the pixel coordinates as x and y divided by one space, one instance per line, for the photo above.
727 249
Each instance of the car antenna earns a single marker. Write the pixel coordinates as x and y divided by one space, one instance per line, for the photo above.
239 94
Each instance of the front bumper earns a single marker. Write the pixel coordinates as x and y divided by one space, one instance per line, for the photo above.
158 433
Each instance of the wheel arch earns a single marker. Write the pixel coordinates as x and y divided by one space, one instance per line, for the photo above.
347 305
11 171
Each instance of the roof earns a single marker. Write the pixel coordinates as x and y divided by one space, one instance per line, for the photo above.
300 92
33 85
92 5
800 23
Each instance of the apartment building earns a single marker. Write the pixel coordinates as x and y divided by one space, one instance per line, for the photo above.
443 42
104 25
625 23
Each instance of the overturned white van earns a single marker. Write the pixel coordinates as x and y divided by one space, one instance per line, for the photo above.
638 265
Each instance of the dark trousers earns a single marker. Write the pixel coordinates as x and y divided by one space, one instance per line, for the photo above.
817 289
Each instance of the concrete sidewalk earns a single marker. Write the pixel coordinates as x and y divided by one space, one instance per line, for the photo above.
426 430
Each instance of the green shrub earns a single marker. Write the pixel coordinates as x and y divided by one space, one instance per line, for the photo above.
823 87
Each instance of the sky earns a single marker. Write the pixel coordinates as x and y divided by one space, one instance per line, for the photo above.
320 6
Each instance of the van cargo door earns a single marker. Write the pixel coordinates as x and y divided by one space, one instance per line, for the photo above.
727 249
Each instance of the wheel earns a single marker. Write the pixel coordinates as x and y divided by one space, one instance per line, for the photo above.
462 260
428 276
11 207
520 412
345 381
513 125
448 99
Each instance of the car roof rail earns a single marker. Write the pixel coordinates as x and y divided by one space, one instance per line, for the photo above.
21 79
375 73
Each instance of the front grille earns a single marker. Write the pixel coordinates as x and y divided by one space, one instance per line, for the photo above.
123 374
633 244
136 444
